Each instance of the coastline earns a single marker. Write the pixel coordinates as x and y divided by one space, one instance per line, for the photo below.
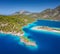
50 30
23 40
13 33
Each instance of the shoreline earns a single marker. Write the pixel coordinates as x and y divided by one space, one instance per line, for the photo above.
13 33
22 40
38 29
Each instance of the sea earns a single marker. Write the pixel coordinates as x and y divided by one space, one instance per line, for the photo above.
47 42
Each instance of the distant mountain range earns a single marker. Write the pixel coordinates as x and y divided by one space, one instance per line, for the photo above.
22 12
53 14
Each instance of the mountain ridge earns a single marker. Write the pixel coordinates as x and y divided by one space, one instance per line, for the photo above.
45 14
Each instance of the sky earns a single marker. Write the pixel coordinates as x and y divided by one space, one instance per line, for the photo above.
11 6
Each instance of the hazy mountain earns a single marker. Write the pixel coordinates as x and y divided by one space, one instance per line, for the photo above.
53 14
22 12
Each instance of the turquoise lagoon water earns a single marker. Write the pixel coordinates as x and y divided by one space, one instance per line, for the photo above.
47 42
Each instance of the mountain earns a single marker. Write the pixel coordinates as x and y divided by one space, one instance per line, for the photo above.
22 12
53 14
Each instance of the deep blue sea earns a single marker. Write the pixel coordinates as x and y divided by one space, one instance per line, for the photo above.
47 42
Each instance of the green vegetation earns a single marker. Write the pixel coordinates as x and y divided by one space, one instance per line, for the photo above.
14 22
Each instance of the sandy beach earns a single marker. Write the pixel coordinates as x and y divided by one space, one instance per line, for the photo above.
51 30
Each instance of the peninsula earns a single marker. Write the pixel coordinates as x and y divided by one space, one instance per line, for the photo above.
46 28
